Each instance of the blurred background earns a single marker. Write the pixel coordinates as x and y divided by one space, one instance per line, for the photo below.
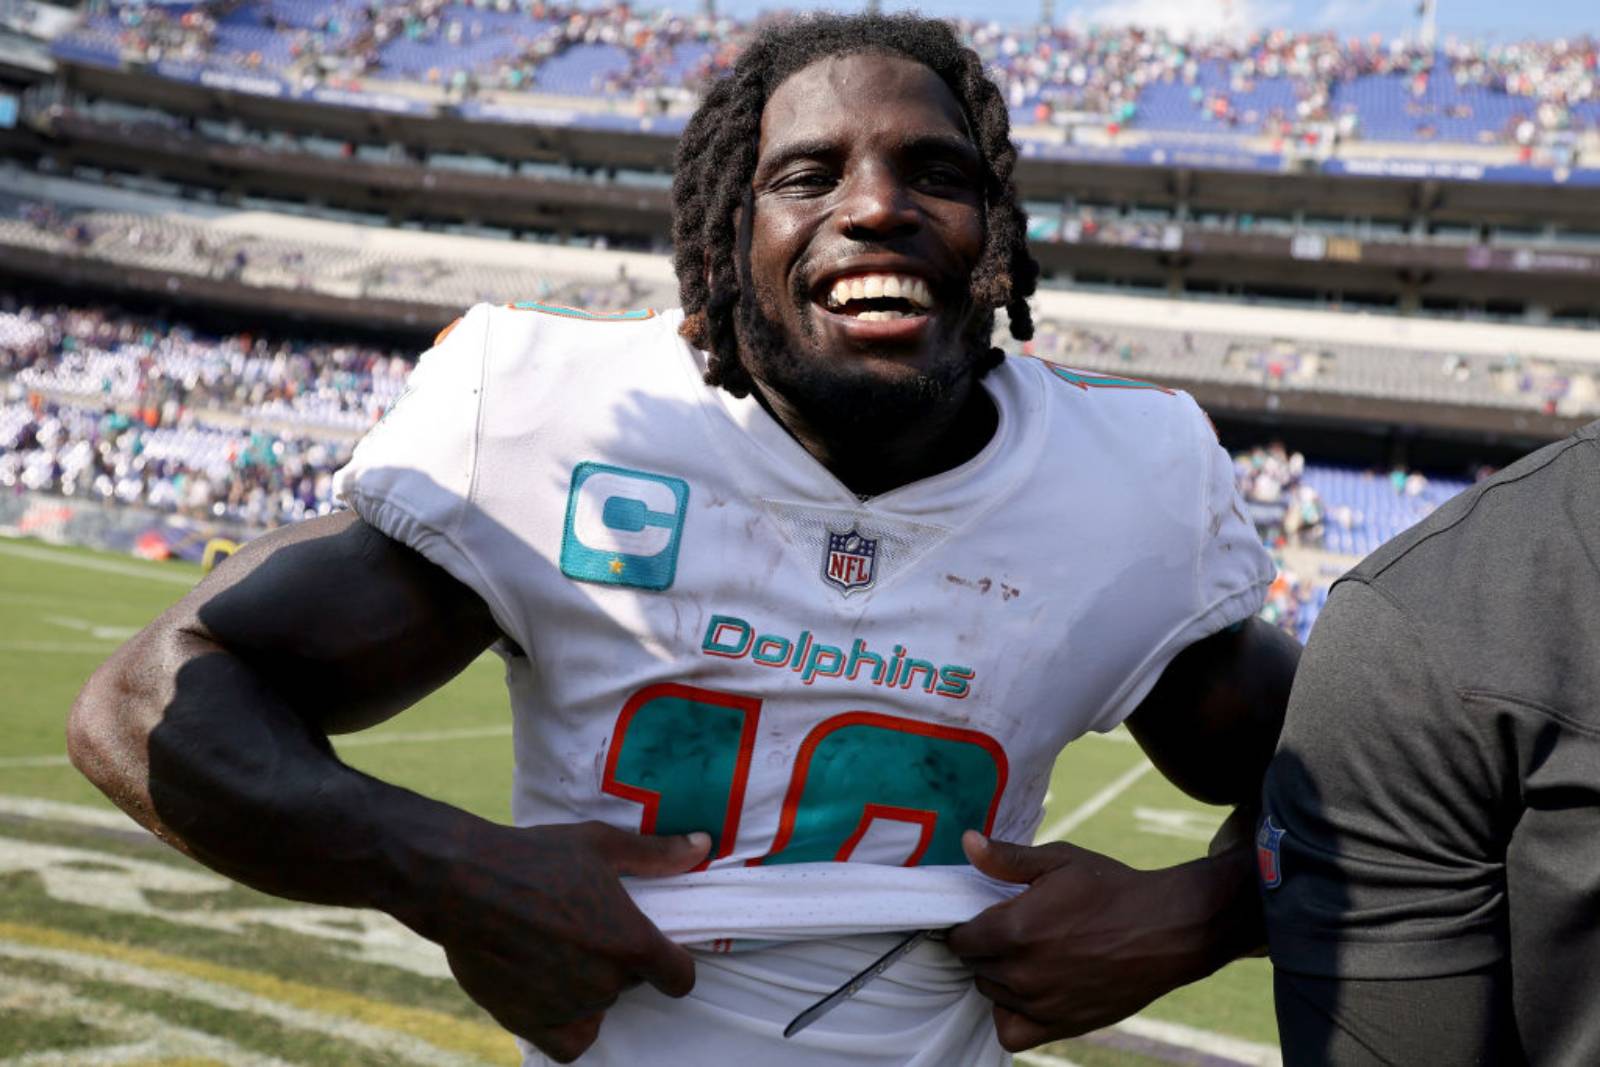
1366 236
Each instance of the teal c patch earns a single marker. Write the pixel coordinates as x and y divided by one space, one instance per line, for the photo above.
623 526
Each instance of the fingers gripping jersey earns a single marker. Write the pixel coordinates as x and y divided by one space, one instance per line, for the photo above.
712 633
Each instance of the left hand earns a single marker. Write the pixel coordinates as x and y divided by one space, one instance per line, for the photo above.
1088 943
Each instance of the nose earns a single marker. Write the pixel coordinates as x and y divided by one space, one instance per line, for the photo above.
877 205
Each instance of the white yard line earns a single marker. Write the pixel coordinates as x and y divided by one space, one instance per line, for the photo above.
1093 806
23 762
89 563
1043 1059
413 737
1233 1048
45 647
398 737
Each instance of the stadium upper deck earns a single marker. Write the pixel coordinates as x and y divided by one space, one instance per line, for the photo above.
1129 95
1245 361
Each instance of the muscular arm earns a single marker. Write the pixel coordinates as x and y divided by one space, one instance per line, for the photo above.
1092 940
211 728
211 724
1210 726
1212 721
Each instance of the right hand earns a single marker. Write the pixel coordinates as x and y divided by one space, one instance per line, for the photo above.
539 931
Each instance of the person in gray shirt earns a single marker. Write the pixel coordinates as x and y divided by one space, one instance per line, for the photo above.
1430 840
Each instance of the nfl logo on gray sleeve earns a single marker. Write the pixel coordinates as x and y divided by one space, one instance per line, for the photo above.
851 562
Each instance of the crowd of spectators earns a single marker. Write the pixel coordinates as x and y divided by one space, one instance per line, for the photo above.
1047 71
1271 479
256 478
164 372
104 405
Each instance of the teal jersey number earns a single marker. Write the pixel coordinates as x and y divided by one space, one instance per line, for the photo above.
860 766
684 755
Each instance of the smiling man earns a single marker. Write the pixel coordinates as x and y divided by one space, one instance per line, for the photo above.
800 590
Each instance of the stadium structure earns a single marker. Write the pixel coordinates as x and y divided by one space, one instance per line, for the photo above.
225 226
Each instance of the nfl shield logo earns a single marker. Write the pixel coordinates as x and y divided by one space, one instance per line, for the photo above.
851 562
1268 840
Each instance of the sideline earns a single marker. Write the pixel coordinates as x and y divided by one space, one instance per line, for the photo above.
39 554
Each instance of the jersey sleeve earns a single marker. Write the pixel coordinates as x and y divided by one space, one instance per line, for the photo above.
1232 567
411 476
1386 807
1229 570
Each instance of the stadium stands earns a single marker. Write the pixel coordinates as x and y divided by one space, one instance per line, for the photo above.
105 405
1545 372
109 406
352 262
1290 364
1278 84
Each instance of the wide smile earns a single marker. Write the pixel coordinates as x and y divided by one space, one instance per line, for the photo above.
877 306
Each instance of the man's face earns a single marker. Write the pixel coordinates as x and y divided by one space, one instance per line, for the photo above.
868 221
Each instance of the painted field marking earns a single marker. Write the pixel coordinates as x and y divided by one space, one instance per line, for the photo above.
20 762
99 648
399 737
1175 822
88 563
419 1035
140 1038
1075 818
60 811
1251 1053
93 629
1043 1059
413 737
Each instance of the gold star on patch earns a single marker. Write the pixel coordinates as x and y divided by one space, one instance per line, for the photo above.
616 566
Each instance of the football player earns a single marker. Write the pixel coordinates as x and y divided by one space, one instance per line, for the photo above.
800 590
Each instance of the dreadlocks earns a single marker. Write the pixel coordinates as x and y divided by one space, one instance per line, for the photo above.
716 162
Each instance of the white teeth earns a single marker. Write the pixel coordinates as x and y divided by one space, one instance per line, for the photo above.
874 286
881 316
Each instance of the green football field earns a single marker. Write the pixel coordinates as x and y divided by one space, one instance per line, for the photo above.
114 949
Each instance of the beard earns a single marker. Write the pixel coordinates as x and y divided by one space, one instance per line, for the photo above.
841 397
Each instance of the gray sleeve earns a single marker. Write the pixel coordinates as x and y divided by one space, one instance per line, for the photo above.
1457 1019
1385 809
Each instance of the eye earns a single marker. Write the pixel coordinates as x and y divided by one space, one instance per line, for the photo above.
805 180
945 176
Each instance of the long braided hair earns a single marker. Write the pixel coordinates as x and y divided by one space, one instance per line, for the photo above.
716 161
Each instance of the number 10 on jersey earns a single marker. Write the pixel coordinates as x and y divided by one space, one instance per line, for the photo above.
684 754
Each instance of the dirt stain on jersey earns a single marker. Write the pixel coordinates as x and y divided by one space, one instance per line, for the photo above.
982 585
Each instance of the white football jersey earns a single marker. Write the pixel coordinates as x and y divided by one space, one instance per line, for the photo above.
713 633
